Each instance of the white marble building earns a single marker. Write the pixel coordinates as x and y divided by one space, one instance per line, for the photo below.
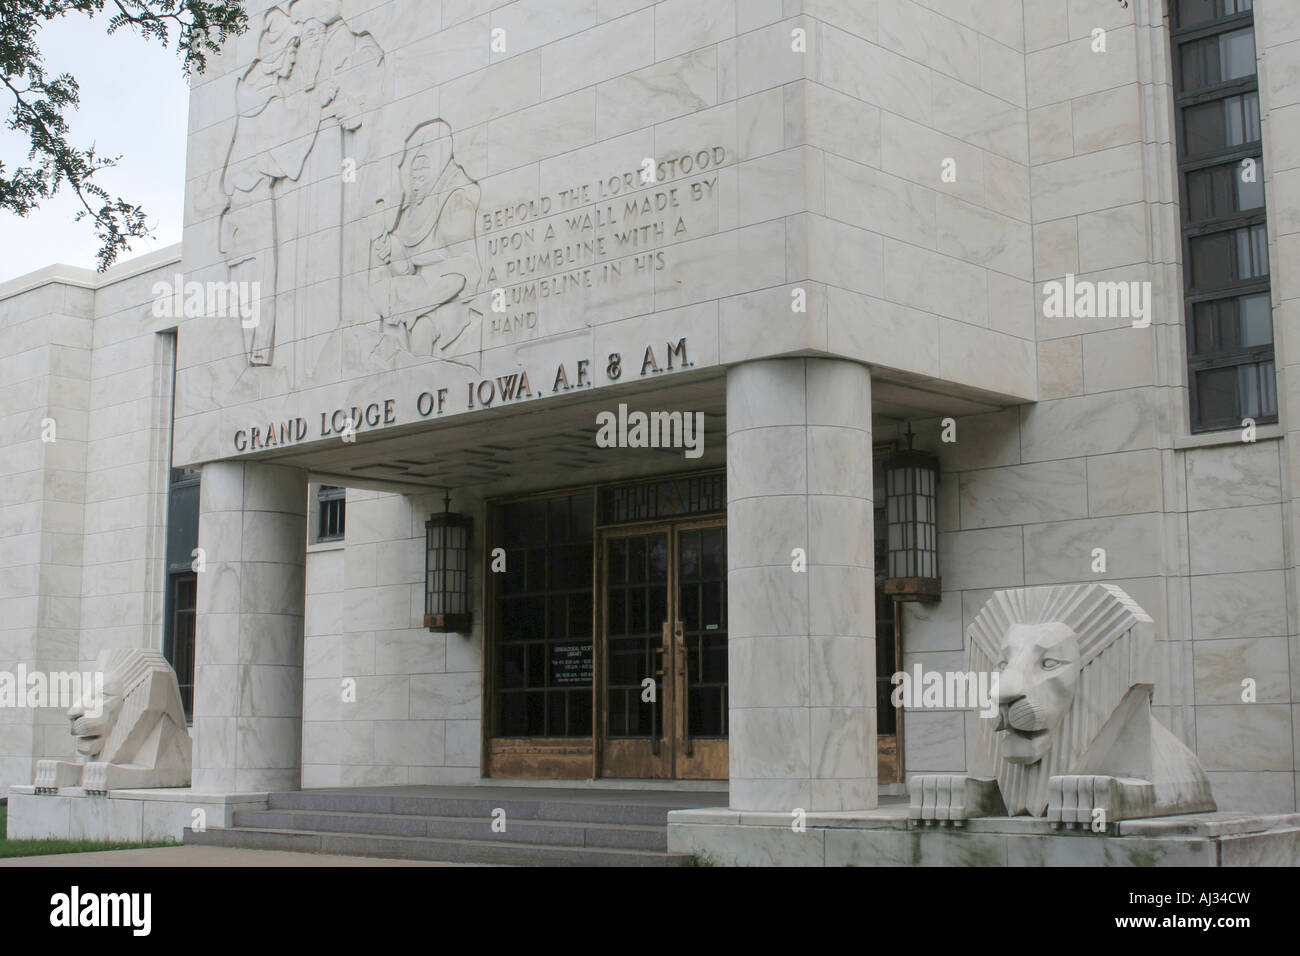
856 213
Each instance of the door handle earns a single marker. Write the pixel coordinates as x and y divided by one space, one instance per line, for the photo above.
679 638
656 725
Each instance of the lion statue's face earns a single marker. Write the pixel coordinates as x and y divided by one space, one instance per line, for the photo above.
1038 671
92 719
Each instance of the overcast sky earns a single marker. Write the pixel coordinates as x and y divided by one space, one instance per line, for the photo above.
134 104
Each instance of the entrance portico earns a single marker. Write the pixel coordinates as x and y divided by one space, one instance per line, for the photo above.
796 683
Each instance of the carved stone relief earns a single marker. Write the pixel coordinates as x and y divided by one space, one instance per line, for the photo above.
425 268
370 243
307 92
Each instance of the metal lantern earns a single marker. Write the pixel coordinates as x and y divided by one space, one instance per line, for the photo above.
911 489
446 572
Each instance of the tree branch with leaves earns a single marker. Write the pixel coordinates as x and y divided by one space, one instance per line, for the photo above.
40 103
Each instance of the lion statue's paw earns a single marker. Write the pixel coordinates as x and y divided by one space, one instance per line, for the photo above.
1096 801
95 777
948 798
53 774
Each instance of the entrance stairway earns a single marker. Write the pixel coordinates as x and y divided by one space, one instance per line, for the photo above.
543 826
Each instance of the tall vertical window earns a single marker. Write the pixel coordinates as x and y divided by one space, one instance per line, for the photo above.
1231 373
182 582
543 618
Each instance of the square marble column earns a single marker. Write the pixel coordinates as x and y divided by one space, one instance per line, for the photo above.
248 654
802 650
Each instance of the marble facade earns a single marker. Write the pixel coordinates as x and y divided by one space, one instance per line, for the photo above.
851 213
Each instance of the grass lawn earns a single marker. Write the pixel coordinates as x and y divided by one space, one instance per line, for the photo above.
43 847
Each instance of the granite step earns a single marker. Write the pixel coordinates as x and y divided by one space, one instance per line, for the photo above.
632 810
531 831
545 826
416 848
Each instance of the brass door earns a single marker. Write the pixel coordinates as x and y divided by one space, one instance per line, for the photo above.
635 653
700 641
663 651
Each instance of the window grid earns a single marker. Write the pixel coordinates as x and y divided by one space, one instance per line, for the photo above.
543 617
184 603
331 512
1225 243
180 597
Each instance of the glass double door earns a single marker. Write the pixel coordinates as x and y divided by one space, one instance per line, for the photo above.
662 647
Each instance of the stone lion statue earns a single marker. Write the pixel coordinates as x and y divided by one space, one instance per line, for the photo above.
134 737
1074 739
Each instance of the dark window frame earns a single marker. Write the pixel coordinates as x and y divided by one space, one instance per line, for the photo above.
1199 362
331 513
183 485
182 628
548 590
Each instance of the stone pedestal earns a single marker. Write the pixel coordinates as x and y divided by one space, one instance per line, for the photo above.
882 837
802 636
125 816
248 655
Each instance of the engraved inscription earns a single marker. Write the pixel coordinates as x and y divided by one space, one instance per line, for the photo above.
583 239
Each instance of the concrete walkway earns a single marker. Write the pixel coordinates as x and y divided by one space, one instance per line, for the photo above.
204 856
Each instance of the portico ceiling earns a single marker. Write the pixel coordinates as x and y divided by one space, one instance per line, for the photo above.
554 439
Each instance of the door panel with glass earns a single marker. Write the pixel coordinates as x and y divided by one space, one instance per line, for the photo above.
634 610
700 633
663 647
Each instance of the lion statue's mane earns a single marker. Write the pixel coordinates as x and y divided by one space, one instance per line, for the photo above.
1106 737
139 740
1116 644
